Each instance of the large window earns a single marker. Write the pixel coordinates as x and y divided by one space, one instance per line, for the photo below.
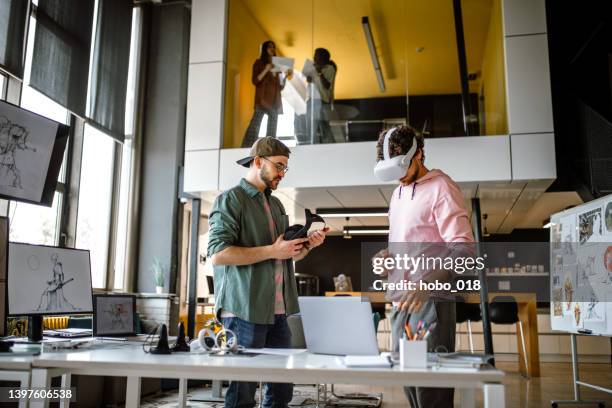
30 223
95 195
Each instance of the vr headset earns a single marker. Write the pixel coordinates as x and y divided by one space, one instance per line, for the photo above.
393 168
301 231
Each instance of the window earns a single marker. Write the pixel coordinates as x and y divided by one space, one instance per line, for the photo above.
34 224
3 81
127 154
29 223
95 197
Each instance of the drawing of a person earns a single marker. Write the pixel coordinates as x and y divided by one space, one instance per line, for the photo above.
12 138
54 293
116 316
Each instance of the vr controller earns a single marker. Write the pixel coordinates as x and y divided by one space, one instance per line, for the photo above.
301 231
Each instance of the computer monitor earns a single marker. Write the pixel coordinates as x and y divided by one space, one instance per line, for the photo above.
31 153
46 280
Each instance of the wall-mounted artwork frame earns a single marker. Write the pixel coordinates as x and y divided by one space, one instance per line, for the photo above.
114 315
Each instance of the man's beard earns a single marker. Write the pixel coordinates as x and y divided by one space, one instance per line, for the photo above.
269 181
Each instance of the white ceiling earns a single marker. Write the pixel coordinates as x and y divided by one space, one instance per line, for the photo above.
508 205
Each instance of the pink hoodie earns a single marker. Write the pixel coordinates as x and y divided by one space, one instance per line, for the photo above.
429 210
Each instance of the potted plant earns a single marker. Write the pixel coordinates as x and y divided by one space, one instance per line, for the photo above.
159 275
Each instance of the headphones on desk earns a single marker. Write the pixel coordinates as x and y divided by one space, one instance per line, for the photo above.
215 338
301 231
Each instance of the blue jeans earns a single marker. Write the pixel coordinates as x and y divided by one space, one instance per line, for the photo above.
252 335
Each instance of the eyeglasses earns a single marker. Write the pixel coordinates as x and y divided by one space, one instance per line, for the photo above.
281 168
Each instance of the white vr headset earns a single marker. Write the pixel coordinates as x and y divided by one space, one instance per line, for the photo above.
393 168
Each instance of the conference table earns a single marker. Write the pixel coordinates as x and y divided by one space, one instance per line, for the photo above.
527 314
288 365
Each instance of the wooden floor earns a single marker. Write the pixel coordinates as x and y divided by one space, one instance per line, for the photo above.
555 383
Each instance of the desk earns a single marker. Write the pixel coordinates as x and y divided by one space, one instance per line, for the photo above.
17 369
528 315
130 361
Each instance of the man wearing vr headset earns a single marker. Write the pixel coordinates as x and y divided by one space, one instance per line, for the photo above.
255 285
426 210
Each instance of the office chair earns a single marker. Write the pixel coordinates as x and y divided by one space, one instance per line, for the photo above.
467 312
504 310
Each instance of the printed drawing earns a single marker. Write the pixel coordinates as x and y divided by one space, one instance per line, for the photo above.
118 316
53 297
13 137
608 217
590 226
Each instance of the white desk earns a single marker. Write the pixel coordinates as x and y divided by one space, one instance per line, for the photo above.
17 369
128 360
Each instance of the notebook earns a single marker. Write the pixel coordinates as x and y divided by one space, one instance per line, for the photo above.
381 361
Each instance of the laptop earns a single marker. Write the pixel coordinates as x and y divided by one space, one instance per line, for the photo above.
68 333
338 325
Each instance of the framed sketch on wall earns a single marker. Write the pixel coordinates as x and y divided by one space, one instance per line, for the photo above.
4 234
31 153
114 315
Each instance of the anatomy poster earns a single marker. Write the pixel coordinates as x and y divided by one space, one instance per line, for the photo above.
26 145
48 280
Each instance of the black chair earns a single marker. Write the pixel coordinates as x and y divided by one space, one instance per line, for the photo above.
504 310
467 312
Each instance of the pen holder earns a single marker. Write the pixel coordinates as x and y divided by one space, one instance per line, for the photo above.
412 354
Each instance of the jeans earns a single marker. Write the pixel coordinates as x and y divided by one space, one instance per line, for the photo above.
252 335
442 338
252 132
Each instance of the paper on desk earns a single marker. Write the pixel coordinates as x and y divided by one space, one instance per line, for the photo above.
275 351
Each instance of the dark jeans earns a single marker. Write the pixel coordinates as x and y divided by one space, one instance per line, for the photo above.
252 132
252 335
441 339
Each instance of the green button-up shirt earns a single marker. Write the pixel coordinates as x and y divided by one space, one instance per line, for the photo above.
238 218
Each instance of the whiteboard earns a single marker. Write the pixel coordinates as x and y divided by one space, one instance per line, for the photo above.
581 268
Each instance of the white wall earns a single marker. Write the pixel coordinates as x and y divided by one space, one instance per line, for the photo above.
207 63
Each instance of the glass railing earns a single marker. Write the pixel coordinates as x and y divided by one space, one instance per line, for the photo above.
344 71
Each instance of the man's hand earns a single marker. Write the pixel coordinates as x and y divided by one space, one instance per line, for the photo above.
282 249
413 301
316 238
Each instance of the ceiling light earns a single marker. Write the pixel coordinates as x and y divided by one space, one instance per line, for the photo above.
353 212
369 230
345 232
485 232
367 30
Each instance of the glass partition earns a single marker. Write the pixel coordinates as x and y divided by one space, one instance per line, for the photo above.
342 71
